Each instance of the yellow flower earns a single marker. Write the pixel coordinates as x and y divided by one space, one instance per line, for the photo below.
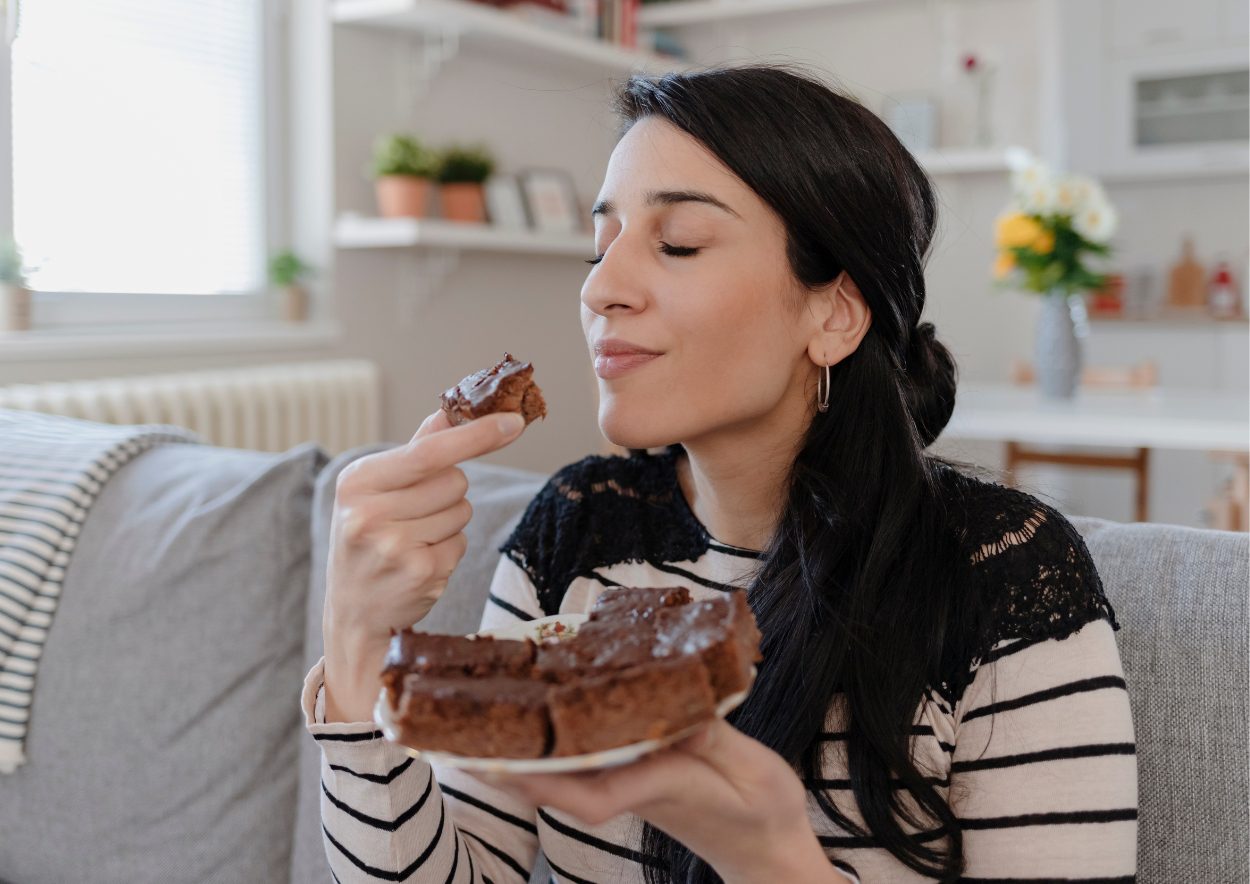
1017 230
1005 263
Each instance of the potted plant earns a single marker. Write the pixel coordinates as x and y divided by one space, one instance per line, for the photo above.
14 294
404 169
287 271
1051 225
463 171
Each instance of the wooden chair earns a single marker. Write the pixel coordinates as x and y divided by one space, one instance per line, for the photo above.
1229 510
1143 375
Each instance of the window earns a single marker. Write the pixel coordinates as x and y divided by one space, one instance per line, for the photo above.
139 149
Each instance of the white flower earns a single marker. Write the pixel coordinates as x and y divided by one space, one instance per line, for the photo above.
1073 192
1032 184
1096 219
1036 197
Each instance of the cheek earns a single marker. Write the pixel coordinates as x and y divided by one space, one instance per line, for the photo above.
732 361
741 345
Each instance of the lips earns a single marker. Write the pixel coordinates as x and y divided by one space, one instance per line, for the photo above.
615 357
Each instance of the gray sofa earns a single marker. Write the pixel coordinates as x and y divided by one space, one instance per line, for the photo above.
166 744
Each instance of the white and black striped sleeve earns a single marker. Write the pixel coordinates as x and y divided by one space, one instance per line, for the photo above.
387 817
1043 774
512 598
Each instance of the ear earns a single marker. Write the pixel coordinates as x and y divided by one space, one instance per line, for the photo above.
843 317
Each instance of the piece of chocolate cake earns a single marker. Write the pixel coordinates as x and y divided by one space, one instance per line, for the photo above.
481 717
647 664
644 702
508 385
638 601
721 631
425 653
600 646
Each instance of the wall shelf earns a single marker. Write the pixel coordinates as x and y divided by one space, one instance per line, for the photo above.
360 232
688 12
964 161
1170 319
488 26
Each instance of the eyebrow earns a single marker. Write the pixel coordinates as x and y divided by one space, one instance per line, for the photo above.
668 198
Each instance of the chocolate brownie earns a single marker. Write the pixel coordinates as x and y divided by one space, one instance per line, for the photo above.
643 702
648 663
721 631
638 601
451 655
508 385
600 646
483 717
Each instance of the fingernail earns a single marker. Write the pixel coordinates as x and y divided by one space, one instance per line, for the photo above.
511 423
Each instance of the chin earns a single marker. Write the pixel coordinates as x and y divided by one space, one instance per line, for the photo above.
634 427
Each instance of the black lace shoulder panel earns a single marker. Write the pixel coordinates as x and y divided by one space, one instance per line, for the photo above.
600 511
1032 564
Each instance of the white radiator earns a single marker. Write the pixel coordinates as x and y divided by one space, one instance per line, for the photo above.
267 408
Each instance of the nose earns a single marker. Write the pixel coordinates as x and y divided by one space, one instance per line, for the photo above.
614 284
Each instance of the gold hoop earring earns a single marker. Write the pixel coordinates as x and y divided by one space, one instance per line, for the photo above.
822 390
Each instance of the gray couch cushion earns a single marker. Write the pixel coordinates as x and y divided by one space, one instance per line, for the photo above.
161 747
1180 595
499 495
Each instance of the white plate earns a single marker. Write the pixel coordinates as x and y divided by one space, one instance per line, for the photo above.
536 630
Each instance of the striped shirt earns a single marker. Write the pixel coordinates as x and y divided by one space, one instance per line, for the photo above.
1033 751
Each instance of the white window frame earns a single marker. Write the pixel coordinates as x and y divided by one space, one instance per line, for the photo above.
127 311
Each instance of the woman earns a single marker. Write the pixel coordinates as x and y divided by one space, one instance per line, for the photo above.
941 696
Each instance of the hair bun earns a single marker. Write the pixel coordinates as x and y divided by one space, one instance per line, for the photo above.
931 379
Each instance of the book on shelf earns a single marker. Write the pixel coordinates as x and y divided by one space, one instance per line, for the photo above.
619 22
612 21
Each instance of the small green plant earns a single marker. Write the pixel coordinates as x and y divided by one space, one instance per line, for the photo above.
286 268
466 164
404 155
12 270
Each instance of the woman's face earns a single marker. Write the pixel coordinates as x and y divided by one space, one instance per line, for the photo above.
707 287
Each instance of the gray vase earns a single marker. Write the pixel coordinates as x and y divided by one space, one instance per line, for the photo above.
1058 346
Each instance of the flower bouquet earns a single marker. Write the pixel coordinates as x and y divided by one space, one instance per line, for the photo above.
1053 223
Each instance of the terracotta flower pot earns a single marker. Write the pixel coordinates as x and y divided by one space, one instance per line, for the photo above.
403 196
295 302
463 201
14 307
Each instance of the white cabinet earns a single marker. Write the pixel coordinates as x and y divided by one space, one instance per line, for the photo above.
1235 21
1178 111
1153 25
1155 88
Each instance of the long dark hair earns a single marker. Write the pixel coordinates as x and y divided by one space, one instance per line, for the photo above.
858 596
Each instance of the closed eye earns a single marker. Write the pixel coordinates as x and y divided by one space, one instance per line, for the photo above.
675 251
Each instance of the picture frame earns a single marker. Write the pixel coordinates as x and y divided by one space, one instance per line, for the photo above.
505 204
550 200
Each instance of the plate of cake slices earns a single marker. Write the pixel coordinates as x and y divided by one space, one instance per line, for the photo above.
645 668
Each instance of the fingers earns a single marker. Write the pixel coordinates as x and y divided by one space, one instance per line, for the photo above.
438 527
440 491
425 565
594 798
430 451
432 424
